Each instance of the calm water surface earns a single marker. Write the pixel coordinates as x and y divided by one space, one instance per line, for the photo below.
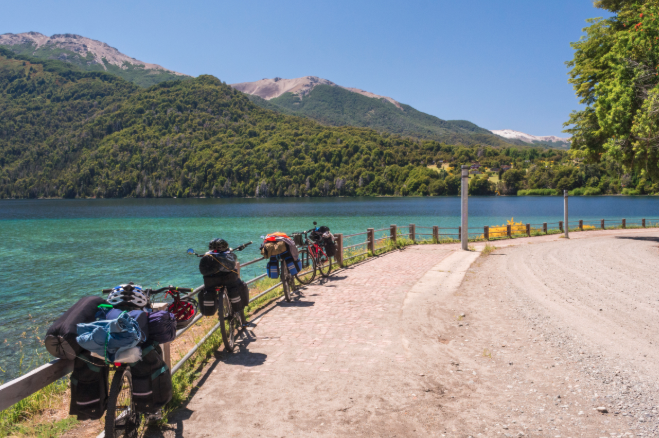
53 252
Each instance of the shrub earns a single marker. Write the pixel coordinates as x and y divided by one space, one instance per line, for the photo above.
537 192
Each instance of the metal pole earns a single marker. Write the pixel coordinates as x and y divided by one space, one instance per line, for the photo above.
565 223
464 211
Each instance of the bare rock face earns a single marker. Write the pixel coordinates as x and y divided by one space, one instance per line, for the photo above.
95 51
272 88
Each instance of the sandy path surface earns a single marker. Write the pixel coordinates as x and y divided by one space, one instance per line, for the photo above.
382 348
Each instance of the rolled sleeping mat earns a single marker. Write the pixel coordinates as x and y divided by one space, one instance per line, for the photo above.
60 340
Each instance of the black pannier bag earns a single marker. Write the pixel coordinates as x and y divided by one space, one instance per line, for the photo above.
89 389
208 301
298 239
244 293
60 340
330 246
211 264
152 381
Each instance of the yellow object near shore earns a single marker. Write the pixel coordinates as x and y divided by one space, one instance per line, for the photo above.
502 230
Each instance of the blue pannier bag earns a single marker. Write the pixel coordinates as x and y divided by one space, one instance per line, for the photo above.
293 266
272 268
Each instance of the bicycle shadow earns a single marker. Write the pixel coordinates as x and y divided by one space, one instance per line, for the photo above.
325 282
241 356
296 303
642 238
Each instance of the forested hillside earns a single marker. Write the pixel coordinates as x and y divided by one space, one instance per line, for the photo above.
67 133
337 106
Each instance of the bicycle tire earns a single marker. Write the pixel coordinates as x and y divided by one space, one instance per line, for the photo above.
308 273
324 263
123 421
226 317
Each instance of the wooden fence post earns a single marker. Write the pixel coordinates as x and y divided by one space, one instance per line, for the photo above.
435 234
412 232
603 227
339 249
393 233
459 233
580 225
370 235
528 230
544 227
509 231
486 232
560 226
643 223
624 223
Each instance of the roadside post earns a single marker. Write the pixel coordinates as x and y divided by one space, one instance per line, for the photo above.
565 225
464 235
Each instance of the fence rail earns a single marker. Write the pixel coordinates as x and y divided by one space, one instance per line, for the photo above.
25 385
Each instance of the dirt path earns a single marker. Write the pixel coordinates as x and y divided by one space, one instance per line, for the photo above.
382 348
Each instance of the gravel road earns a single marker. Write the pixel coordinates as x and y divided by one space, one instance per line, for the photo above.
431 341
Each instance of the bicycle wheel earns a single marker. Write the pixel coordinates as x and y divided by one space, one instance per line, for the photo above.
308 272
285 281
226 319
324 263
121 419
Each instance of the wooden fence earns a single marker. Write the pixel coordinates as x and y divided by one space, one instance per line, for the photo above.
27 384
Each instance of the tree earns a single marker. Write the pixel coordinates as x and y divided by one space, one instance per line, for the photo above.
512 181
615 74
481 186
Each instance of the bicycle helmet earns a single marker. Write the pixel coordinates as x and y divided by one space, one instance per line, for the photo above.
185 310
218 245
128 296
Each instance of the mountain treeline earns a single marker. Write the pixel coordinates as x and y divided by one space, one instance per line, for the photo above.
68 133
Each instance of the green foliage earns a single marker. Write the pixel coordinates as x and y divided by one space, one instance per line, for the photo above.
585 191
512 181
614 73
538 192
336 106
70 133
480 185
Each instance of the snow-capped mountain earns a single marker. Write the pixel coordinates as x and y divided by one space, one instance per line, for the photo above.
550 140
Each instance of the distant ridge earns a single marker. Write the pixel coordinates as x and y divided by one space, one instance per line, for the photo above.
87 54
272 88
331 104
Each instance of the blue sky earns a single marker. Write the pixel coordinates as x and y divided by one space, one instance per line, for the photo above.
499 64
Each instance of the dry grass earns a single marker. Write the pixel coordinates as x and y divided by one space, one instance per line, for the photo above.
488 249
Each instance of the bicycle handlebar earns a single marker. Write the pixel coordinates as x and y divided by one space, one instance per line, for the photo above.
243 246
157 291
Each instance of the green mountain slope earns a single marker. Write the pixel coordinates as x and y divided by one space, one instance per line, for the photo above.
337 106
87 55
69 133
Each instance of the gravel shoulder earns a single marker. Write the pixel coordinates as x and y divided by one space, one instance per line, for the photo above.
552 331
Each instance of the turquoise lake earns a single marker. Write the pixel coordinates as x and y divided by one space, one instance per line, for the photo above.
56 251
